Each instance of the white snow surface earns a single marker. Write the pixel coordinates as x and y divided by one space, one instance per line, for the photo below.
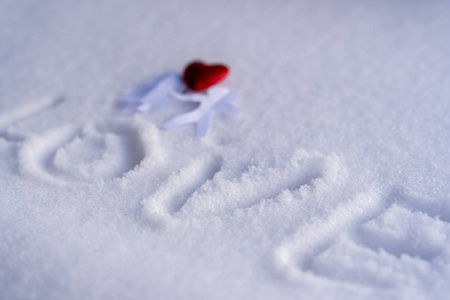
332 184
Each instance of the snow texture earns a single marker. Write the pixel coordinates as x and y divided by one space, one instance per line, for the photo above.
332 183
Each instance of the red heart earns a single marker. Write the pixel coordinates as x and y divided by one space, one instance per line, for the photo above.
199 76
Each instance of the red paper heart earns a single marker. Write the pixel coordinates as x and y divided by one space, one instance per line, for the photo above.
199 76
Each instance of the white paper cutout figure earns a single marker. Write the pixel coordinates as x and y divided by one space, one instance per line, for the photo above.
152 94
215 99
159 92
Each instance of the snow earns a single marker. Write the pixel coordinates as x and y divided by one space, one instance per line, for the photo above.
332 183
